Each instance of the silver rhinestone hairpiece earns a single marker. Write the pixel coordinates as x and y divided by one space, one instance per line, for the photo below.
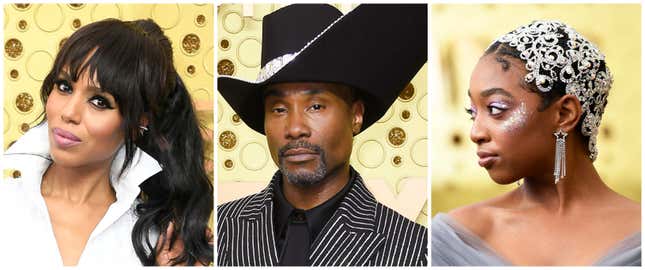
577 65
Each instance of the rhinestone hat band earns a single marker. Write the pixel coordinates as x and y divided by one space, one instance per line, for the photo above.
276 64
578 65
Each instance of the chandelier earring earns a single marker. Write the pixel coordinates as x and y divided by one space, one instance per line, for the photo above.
560 170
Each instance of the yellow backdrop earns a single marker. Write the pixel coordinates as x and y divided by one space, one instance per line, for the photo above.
458 43
391 155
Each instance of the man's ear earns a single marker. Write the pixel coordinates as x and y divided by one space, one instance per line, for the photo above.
358 110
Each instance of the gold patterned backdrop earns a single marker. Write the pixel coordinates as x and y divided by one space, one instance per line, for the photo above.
391 155
34 33
458 43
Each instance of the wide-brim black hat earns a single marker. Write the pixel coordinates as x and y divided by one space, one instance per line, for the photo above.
375 48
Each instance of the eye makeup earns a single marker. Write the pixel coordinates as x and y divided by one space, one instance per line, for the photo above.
101 102
62 85
516 120
471 111
499 105
496 108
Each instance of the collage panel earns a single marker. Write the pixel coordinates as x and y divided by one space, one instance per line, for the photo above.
520 154
317 140
107 135
322 135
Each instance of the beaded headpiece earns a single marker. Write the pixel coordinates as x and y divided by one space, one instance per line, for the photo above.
555 52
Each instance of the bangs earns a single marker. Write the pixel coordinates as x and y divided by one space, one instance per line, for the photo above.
114 55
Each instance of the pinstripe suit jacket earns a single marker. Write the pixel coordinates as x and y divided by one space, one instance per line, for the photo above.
361 232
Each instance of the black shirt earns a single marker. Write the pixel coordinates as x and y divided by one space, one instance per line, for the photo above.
306 224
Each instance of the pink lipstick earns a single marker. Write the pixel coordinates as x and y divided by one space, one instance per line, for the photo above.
64 138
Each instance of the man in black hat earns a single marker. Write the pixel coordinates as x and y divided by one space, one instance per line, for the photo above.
325 77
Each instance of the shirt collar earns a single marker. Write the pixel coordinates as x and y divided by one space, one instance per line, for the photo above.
30 154
317 217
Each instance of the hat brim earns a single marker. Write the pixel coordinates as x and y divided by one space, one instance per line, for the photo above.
376 49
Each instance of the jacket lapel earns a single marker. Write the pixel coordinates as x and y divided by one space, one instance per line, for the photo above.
349 237
253 237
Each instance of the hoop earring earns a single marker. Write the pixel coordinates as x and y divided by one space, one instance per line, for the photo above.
560 170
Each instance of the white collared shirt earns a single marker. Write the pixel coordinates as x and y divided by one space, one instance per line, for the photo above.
26 235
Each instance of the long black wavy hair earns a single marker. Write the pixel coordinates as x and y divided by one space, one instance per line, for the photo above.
133 61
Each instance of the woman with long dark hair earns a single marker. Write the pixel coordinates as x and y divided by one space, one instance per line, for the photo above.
115 173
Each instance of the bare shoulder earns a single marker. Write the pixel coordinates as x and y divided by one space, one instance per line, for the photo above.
629 205
479 217
625 211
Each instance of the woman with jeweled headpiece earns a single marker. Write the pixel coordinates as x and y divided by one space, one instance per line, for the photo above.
537 98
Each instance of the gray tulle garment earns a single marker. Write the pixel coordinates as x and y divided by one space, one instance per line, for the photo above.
454 245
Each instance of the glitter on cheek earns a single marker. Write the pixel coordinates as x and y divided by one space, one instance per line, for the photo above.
517 119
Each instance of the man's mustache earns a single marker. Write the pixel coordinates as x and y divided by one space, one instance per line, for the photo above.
299 144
